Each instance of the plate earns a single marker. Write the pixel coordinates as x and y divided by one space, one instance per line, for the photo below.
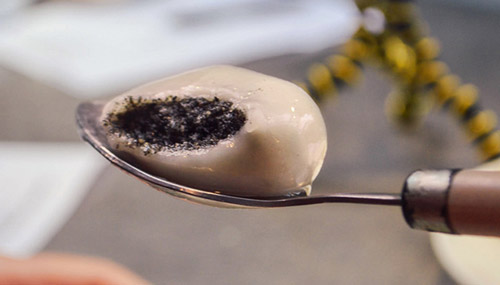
470 260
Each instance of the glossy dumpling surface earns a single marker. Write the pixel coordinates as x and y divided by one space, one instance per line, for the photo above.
275 144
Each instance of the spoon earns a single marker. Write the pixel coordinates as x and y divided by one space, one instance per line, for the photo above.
91 131
425 193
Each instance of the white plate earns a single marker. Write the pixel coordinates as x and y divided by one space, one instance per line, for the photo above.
470 260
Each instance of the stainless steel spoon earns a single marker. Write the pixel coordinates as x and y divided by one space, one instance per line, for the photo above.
425 199
90 130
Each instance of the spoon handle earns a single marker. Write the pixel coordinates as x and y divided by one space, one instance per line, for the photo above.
453 201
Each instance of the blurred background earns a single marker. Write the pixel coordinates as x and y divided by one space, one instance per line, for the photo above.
58 195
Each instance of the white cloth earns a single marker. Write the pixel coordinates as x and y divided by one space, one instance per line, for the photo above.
42 185
89 50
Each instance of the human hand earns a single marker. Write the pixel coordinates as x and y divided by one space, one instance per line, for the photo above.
65 269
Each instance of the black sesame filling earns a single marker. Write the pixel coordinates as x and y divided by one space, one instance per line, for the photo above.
175 123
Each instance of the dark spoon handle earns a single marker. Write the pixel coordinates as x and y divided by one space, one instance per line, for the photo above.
453 201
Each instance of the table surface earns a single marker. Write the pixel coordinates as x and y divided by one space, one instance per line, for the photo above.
169 241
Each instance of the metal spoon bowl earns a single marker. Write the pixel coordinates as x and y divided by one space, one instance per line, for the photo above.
90 129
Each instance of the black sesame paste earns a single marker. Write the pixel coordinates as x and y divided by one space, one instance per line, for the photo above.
175 123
